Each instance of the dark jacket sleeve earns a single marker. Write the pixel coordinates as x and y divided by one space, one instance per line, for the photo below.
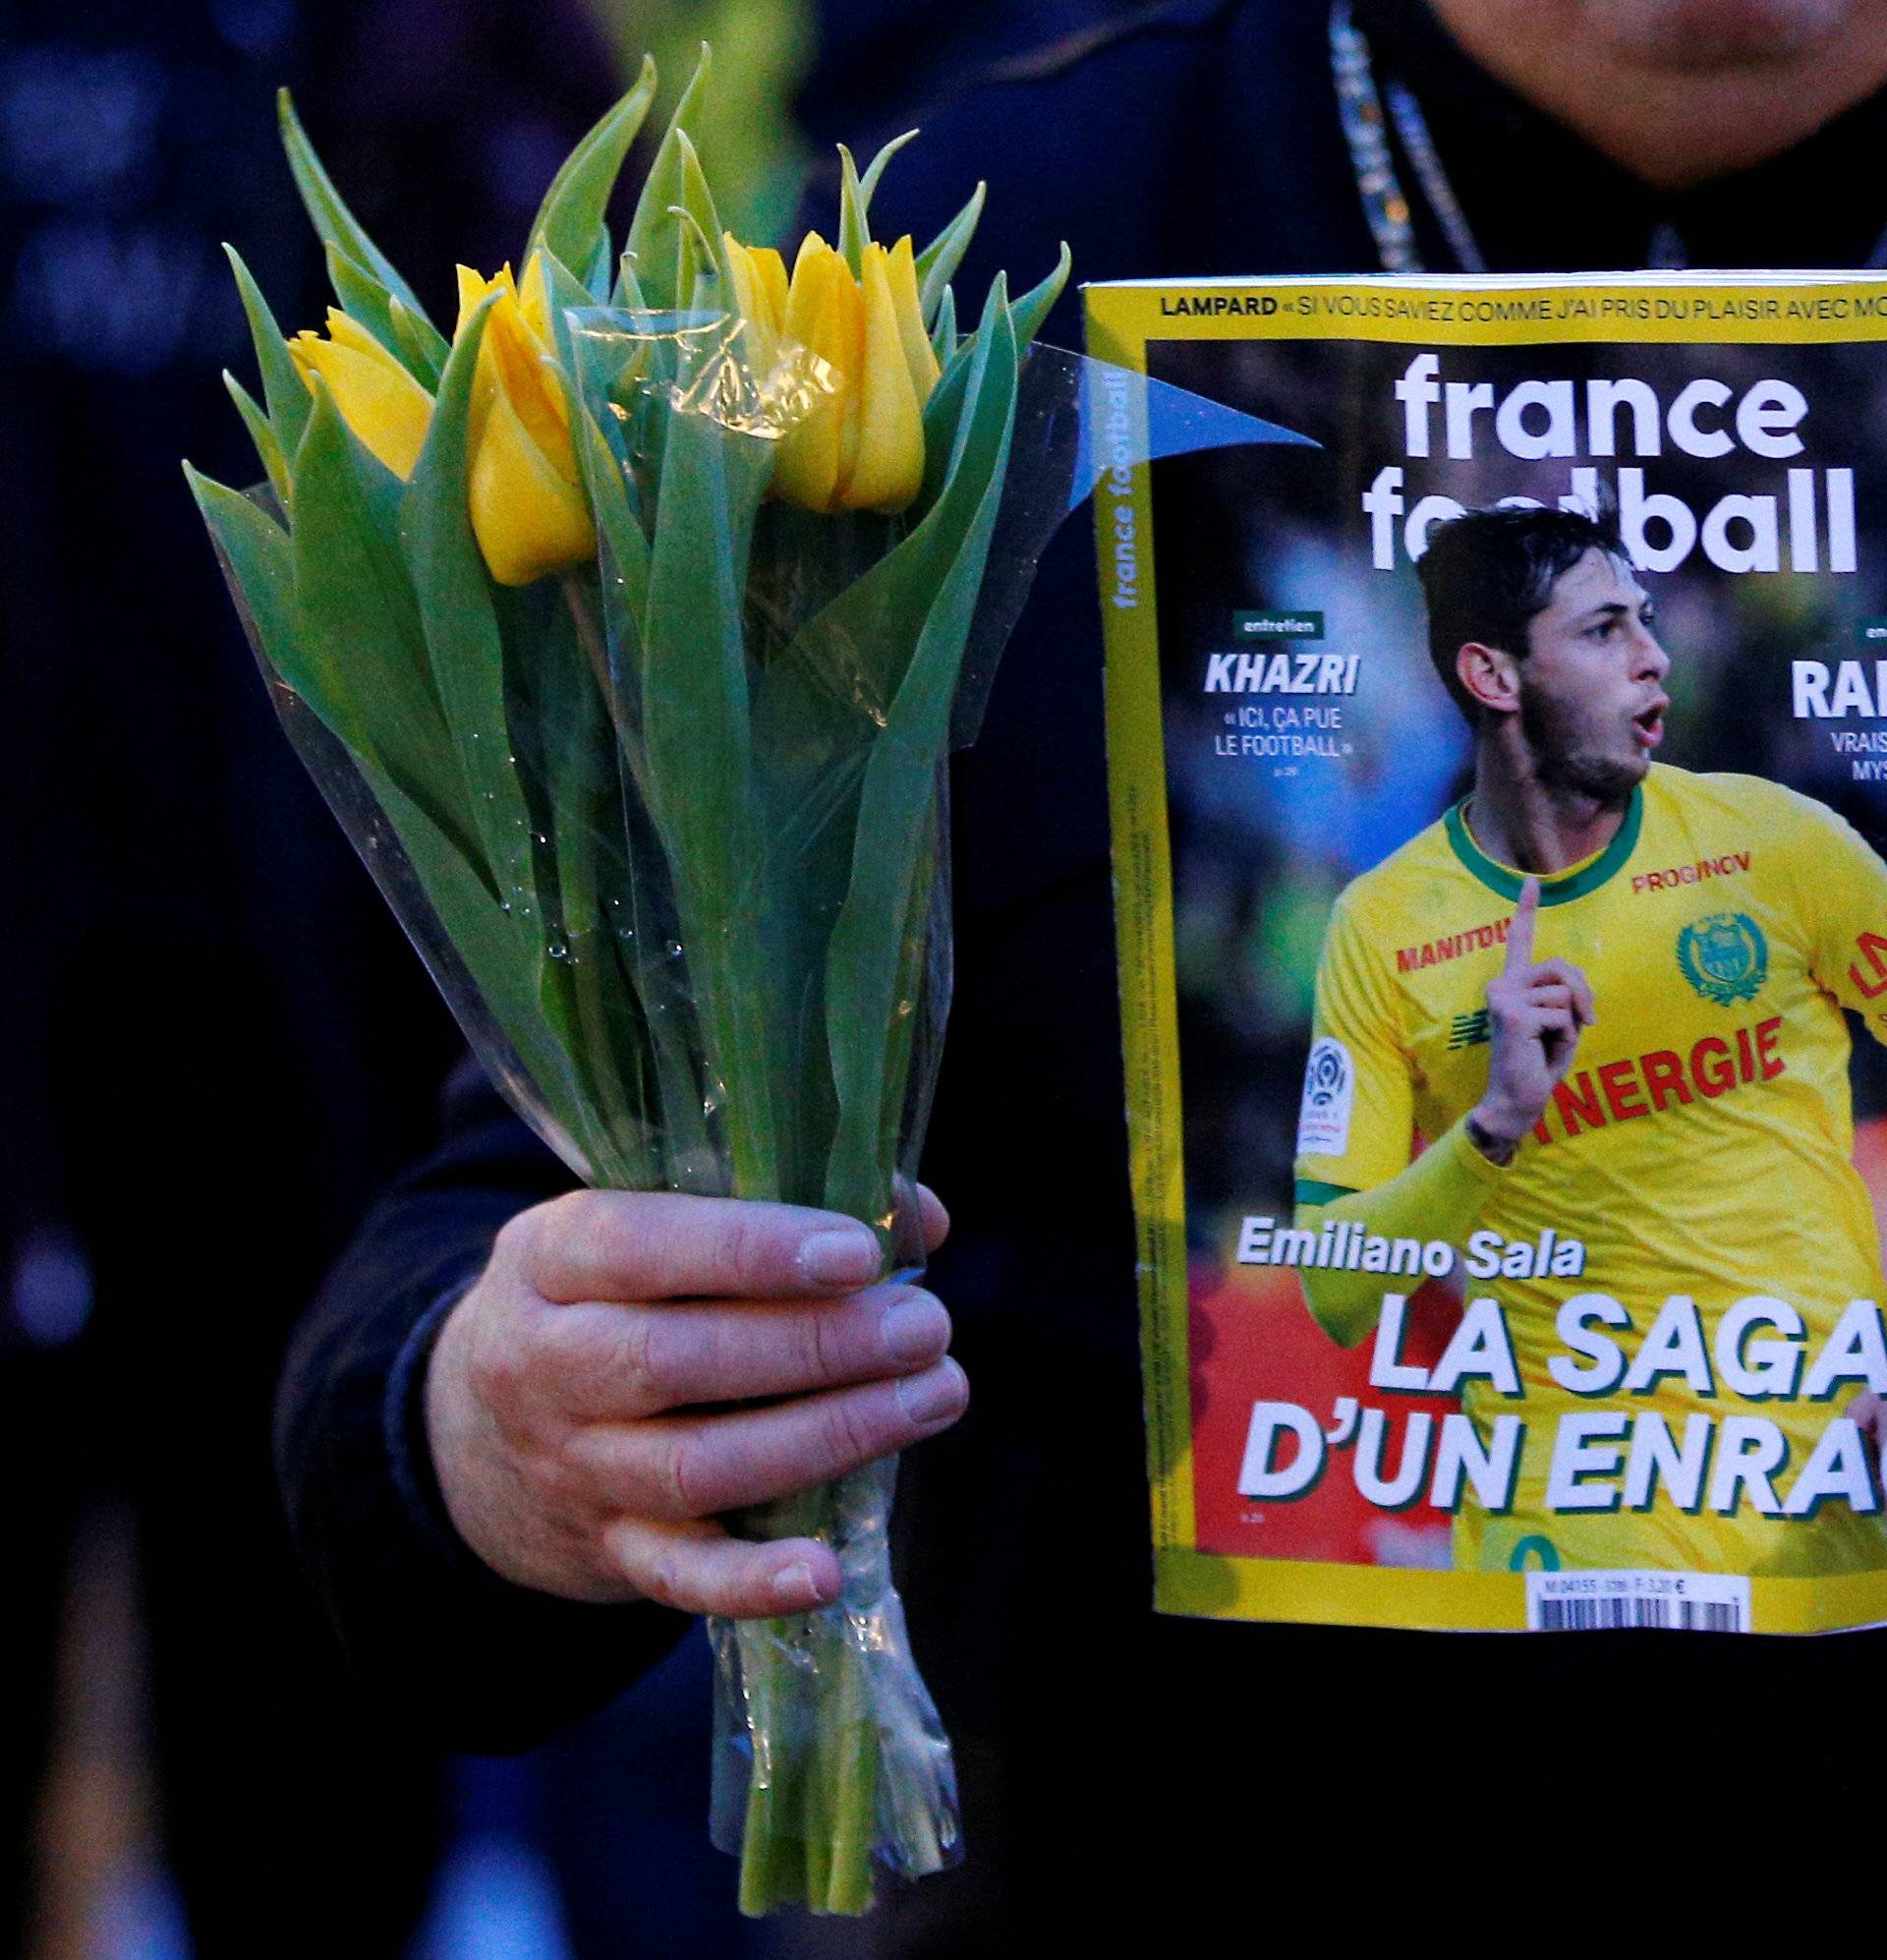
453 1653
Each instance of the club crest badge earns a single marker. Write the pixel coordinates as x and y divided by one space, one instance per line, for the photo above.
1330 1090
1724 956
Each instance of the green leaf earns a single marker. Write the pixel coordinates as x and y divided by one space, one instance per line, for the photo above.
975 355
609 489
603 974
943 412
816 717
697 204
571 218
1034 307
460 626
936 263
361 617
596 280
943 333
483 940
605 871
258 563
268 449
424 346
364 299
569 775
697 735
651 231
875 948
283 389
587 368
565 293
854 224
331 218
627 291
473 933
855 650
875 170
695 253
414 342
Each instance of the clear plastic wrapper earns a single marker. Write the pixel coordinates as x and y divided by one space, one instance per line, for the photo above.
829 1749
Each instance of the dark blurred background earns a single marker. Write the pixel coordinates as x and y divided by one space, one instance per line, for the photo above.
214 1045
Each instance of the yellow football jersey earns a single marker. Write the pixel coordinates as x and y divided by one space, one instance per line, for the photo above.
1700 1145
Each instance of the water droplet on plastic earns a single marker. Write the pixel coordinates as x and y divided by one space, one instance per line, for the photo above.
537 836
904 1007
556 949
673 949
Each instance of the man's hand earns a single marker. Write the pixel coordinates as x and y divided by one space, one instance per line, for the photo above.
571 1397
1536 1011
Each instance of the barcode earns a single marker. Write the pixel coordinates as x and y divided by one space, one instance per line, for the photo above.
1679 1602
1699 1616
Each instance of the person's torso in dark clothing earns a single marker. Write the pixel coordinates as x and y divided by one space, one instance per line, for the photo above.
1122 1767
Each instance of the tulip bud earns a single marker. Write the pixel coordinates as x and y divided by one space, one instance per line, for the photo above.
919 355
379 400
529 511
760 299
861 445
888 463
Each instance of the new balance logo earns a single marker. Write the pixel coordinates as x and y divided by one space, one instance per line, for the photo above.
1469 1031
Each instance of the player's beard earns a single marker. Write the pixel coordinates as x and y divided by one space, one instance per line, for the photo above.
1565 760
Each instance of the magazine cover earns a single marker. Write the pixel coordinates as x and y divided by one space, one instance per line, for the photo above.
1500 794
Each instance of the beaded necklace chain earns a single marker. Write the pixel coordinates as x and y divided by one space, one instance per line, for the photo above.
1369 112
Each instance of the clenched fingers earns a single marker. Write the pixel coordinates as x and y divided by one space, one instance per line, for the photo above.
675 1468
1555 974
647 1245
698 1568
618 1363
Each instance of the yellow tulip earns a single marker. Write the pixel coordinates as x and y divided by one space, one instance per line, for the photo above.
529 511
760 299
379 400
860 446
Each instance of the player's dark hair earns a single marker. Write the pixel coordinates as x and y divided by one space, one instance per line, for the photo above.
1488 572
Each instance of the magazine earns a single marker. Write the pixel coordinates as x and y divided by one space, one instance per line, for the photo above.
1500 797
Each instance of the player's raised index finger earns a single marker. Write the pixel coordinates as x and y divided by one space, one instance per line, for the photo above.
649 1245
1520 930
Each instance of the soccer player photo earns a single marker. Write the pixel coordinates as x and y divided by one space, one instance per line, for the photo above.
1513 1068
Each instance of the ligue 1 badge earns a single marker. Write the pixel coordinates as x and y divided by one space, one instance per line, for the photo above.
1724 956
1330 1089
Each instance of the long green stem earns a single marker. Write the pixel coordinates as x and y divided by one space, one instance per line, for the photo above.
812 1799
851 1755
771 1866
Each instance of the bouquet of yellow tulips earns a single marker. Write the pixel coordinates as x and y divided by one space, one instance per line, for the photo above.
624 630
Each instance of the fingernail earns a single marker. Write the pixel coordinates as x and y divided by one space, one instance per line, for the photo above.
916 1328
840 1258
931 1397
794 1586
